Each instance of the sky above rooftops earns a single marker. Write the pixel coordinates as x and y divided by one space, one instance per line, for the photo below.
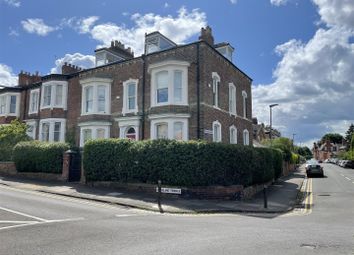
299 53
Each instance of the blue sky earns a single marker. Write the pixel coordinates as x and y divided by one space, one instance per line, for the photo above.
281 44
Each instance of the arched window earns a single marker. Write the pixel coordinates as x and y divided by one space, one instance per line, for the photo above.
233 135
131 133
216 131
246 137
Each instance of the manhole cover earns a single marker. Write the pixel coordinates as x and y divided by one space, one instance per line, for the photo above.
308 246
324 195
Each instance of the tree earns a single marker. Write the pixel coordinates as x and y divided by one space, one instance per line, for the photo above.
282 143
349 133
304 151
10 135
332 137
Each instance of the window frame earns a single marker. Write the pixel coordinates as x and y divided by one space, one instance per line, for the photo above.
94 126
53 85
170 120
125 108
51 122
233 128
34 110
244 104
246 137
217 137
232 99
171 67
215 89
96 83
33 124
6 99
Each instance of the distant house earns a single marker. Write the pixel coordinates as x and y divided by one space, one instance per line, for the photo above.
181 92
326 150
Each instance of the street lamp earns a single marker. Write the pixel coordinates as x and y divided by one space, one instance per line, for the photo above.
270 119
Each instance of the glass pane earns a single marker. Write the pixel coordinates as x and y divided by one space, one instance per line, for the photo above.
59 95
161 131
34 102
177 86
100 133
47 95
2 104
45 132
12 104
216 133
178 131
162 95
101 98
57 126
131 134
87 133
162 80
131 96
88 99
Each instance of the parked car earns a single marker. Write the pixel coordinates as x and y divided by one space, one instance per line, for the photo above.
348 164
313 168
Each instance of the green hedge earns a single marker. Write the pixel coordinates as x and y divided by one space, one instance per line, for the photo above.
193 163
38 156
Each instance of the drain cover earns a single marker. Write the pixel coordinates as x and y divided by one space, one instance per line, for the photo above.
324 195
308 246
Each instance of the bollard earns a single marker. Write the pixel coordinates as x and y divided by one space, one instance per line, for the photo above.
265 196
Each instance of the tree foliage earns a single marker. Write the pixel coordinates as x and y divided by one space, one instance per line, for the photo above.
332 137
304 151
349 134
284 144
10 135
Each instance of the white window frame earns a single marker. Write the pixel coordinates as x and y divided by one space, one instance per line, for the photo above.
169 119
246 137
95 83
33 124
7 99
53 94
94 126
216 88
125 108
170 67
232 99
233 128
36 104
51 122
219 135
244 97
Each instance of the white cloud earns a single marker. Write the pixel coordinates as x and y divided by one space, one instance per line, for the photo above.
179 29
85 24
37 26
78 59
233 1
13 32
166 5
13 3
278 2
314 81
336 13
7 77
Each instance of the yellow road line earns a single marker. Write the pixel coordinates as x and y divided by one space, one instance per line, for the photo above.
309 197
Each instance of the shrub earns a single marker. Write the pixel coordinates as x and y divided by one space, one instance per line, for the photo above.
38 156
192 163
10 135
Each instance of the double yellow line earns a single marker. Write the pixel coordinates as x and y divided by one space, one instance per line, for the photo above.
309 197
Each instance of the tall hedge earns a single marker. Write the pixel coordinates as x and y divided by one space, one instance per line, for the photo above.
192 163
36 156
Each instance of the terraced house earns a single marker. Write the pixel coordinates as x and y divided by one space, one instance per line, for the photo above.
182 92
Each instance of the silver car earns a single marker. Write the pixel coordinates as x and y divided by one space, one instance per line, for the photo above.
313 168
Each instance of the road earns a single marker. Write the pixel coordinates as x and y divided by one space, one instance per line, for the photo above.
37 223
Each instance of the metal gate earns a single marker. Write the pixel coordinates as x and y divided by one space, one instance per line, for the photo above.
74 166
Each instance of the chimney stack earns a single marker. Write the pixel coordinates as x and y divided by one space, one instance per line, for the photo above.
206 35
26 78
69 68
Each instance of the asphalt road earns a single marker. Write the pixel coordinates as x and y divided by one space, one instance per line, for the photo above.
37 223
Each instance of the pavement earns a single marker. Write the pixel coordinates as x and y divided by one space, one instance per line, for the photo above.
282 196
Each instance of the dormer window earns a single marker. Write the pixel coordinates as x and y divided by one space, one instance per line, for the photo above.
157 42
117 52
225 49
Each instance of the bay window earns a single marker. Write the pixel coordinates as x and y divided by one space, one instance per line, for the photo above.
54 94
94 130
171 126
96 96
169 83
9 104
34 97
52 130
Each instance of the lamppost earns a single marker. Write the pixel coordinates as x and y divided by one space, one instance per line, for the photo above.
270 120
293 141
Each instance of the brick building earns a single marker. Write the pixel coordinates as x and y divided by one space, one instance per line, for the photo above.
184 92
